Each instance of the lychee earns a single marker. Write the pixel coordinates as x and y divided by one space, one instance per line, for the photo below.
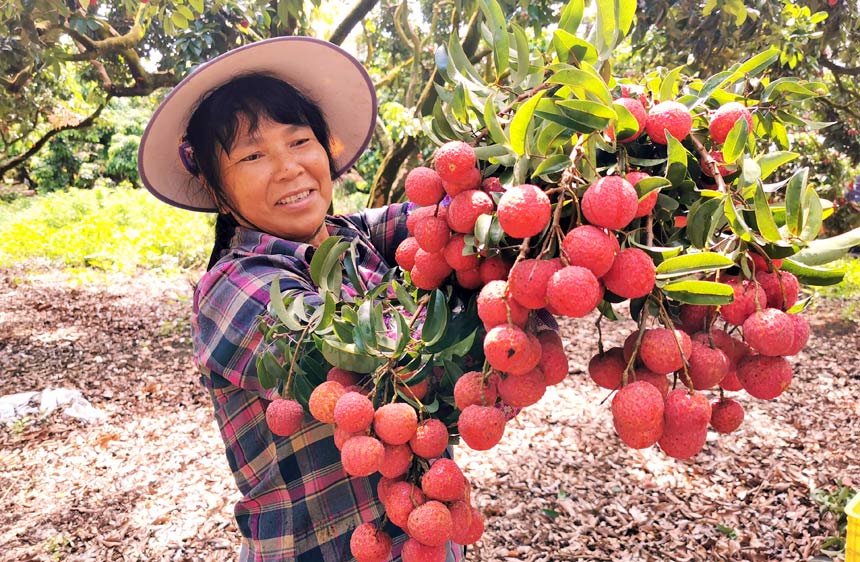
424 280
341 437
726 415
432 234
637 414
370 544
424 186
470 180
323 400
662 349
669 116
453 253
632 274
353 412
466 207
508 349
573 291
590 247
405 253
403 497
444 481
724 119
416 390
636 108
493 305
800 334
461 517
344 377
469 278
780 287
746 295
418 213
708 366
659 381
362 455
610 202
524 390
524 210
607 370
481 427
695 317
553 360
528 279
493 268
647 203
761 264
430 524
476 529
492 184
432 263
764 377
414 551
395 423
471 388
454 161
396 461
769 331
284 417
685 423
430 439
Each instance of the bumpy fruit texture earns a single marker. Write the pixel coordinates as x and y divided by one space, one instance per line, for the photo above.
632 274
444 481
493 305
669 116
607 370
362 455
472 389
493 268
660 382
454 161
471 180
284 417
735 350
661 349
396 461
430 524
723 168
726 415
402 498
708 366
418 213
492 184
395 423
466 207
341 437
686 421
370 544
461 517
528 279
524 210
432 233
414 390
573 291
553 360
610 202
637 414
323 399
432 263
636 108
414 551
695 317
647 203
508 349
405 253
800 333
761 264
424 186
769 331
524 390
344 377
590 247
425 280
764 377
353 412
781 288
481 427
724 120
476 529
746 295
469 278
430 439
453 253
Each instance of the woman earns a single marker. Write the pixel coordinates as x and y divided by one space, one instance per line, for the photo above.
257 135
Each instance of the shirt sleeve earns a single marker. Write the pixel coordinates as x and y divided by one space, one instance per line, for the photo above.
230 301
385 226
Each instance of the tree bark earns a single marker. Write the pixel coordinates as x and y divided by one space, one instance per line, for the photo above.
351 20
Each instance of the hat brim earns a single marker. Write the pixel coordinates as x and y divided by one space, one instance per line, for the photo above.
325 73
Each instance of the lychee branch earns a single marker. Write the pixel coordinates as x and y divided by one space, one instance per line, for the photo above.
710 163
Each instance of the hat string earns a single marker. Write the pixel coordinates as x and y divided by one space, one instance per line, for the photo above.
186 155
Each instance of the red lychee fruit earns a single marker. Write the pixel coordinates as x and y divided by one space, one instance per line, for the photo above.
395 423
444 481
524 390
637 414
423 280
800 335
508 349
590 247
769 331
647 203
569 281
695 317
632 274
724 119
493 268
481 427
430 439
419 213
722 167
432 263
344 377
405 253
396 461
528 280
764 377
403 497
630 347
471 180
553 360
370 544
685 423
432 234
746 294
362 455
430 524
606 370
466 207
284 417
424 186
323 400
661 349
669 116
726 415
493 304
383 488
469 278
461 517
524 210
454 161
781 288
660 382
353 412
473 533
472 389
610 202
341 437
492 184
414 390
414 551
730 381
636 108
708 366
453 253
760 264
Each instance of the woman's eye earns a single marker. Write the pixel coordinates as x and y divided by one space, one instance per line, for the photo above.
252 157
300 142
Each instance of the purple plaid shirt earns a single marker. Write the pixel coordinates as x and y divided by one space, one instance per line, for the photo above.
297 502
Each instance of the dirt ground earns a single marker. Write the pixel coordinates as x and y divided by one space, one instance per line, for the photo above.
150 482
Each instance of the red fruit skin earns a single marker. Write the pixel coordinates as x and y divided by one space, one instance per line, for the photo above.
553 360
660 382
344 377
761 265
414 551
668 115
726 415
524 210
682 444
362 455
395 423
424 186
432 263
637 414
454 161
466 207
781 288
685 424
430 524
746 295
353 412
636 108
284 417
590 247
471 180
723 168
453 253
341 437
661 349
481 427
765 377
444 481
469 278
430 439
476 529
708 366
471 389
493 304
493 268
695 317
461 516
522 391
492 185
610 202
432 234
370 544
800 333
528 279
323 400
418 213
405 254
647 203
395 461
632 274
629 345
724 120
569 281
424 280
508 349
402 498
607 370
769 332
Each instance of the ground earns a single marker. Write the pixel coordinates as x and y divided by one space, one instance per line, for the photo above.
150 483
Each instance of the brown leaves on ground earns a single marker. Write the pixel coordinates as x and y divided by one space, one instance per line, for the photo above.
152 484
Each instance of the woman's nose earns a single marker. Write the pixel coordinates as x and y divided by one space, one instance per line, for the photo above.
288 166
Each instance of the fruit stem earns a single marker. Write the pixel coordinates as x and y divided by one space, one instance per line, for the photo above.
710 163
599 335
377 379
643 318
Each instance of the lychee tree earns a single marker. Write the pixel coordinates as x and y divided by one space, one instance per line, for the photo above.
557 190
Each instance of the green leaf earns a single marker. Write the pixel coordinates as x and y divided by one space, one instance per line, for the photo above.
585 78
702 220
755 65
185 11
676 170
329 307
736 221
699 292
520 123
826 250
750 172
816 276
523 55
197 5
460 61
553 164
571 16
793 195
812 214
331 270
267 379
276 300
770 161
351 267
626 124
437 318
343 330
178 20
573 50
499 28
346 356
365 326
492 120
404 297
710 86
736 141
693 263
647 185
592 114
764 217
458 103
319 257
668 87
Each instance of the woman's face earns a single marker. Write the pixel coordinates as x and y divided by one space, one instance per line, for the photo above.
278 179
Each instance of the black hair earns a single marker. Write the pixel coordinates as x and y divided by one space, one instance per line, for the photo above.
215 123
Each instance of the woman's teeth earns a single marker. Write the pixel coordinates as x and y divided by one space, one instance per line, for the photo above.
294 198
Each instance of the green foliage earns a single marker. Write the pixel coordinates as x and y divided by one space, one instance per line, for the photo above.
110 228
834 500
58 169
850 286
122 158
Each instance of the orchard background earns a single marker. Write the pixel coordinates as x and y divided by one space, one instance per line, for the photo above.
97 279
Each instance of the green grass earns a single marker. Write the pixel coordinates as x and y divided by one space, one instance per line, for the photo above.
850 286
106 228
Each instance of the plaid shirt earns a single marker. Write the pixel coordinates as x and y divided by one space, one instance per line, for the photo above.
298 503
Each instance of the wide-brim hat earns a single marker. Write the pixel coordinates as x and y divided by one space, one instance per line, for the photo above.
322 71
